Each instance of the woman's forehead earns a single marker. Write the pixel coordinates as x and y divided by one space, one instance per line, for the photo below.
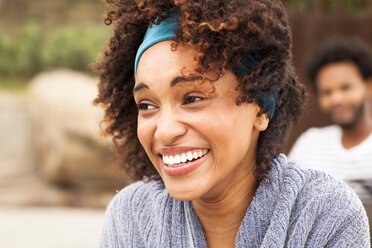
160 61
162 68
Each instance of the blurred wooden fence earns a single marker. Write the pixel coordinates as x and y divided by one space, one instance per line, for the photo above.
309 29
328 6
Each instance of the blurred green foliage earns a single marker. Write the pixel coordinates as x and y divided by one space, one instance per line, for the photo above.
52 39
13 84
33 50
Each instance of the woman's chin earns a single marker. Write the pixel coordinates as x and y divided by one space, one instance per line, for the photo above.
183 194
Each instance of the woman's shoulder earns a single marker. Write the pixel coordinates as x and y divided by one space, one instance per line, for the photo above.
324 208
132 210
314 184
139 193
315 190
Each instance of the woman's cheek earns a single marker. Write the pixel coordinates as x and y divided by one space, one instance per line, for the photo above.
144 130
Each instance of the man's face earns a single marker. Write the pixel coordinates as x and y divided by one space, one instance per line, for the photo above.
341 93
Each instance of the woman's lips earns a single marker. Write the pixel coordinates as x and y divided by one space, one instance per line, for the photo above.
184 169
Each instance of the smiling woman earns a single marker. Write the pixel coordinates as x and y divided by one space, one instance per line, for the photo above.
200 96
176 121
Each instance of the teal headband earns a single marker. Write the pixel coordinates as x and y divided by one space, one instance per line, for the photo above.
155 34
166 31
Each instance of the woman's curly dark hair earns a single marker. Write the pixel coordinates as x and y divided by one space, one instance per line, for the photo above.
222 32
339 49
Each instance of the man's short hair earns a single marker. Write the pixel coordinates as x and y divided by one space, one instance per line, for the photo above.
339 50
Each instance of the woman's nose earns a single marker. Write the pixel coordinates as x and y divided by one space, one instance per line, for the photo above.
169 127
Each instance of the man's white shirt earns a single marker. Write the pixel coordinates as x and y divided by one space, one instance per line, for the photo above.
322 149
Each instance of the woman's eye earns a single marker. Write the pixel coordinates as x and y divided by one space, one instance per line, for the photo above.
192 99
145 106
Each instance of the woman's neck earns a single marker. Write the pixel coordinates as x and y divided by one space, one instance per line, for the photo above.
221 215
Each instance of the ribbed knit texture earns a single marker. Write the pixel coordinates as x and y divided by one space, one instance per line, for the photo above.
293 208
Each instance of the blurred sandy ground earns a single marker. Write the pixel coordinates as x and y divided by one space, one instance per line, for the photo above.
36 227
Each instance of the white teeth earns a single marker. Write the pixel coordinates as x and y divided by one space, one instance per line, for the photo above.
195 155
181 159
177 159
189 156
170 160
165 159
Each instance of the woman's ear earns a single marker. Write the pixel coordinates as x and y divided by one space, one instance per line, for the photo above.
261 121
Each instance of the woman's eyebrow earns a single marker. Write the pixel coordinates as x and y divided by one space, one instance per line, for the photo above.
140 86
174 82
183 79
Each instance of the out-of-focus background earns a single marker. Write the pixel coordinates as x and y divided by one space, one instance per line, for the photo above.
56 173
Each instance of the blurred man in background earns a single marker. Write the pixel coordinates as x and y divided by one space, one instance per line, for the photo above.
341 72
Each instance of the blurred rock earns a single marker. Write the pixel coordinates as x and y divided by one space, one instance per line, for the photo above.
66 140
50 150
16 157
31 191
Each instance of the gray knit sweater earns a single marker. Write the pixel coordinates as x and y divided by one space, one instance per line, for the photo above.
295 208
